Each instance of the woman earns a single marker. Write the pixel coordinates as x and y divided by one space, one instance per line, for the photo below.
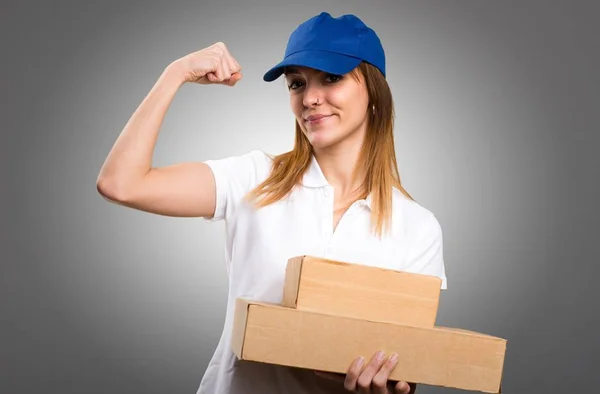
337 194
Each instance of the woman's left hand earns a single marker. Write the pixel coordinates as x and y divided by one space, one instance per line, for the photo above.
373 378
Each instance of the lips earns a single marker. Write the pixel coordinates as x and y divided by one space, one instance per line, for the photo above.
316 117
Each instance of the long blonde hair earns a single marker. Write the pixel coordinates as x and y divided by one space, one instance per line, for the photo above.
377 157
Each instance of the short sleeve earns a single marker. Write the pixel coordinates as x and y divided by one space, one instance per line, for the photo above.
234 177
426 251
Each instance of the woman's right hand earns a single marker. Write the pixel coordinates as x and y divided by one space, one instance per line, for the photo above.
211 65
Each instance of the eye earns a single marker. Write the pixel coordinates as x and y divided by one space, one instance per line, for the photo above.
333 78
294 84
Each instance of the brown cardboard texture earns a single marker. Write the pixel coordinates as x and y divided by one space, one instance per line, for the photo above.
361 291
437 356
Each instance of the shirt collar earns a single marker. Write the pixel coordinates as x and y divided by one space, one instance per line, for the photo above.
315 178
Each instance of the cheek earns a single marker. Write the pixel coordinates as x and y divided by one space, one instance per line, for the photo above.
353 111
296 105
352 102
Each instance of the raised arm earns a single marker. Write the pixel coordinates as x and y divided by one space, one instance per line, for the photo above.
184 189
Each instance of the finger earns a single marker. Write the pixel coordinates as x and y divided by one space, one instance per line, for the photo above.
233 65
219 73
225 70
235 78
353 373
212 77
216 67
366 377
402 388
380 380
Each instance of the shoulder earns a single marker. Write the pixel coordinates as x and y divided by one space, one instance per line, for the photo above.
424 239
255 158
250 166
235 176
417 220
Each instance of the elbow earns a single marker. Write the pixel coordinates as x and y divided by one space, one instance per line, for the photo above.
110 190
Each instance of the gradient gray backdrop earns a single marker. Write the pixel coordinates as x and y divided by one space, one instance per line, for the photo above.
497 134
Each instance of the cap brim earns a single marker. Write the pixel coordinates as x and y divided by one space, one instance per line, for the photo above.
328 62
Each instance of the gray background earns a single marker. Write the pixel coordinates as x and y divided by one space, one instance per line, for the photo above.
497 134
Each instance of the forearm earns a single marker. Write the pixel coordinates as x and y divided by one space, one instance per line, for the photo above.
131 156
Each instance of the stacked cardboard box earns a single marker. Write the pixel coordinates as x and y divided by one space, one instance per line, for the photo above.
332 312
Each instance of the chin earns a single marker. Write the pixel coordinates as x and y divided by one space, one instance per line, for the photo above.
327 138
320 145
322 139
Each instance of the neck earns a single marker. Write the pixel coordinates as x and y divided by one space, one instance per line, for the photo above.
338 163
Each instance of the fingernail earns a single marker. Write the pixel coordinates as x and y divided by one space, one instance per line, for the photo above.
380 355
360 361
394 357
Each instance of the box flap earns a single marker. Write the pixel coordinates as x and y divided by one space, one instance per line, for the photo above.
293 270
240 319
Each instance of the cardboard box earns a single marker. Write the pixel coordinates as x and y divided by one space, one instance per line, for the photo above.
365 292
437 356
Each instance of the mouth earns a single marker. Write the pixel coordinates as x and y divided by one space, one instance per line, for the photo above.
316 119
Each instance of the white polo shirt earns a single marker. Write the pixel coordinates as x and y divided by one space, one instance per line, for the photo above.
260 242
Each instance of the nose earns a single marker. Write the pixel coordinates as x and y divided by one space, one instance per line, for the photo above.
313 95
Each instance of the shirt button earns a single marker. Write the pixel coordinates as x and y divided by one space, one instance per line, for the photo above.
327 192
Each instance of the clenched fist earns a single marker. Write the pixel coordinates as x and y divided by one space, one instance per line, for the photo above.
211 65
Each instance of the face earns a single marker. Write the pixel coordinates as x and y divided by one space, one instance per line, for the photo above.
330 109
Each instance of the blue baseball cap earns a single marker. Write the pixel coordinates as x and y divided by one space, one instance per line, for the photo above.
332 45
